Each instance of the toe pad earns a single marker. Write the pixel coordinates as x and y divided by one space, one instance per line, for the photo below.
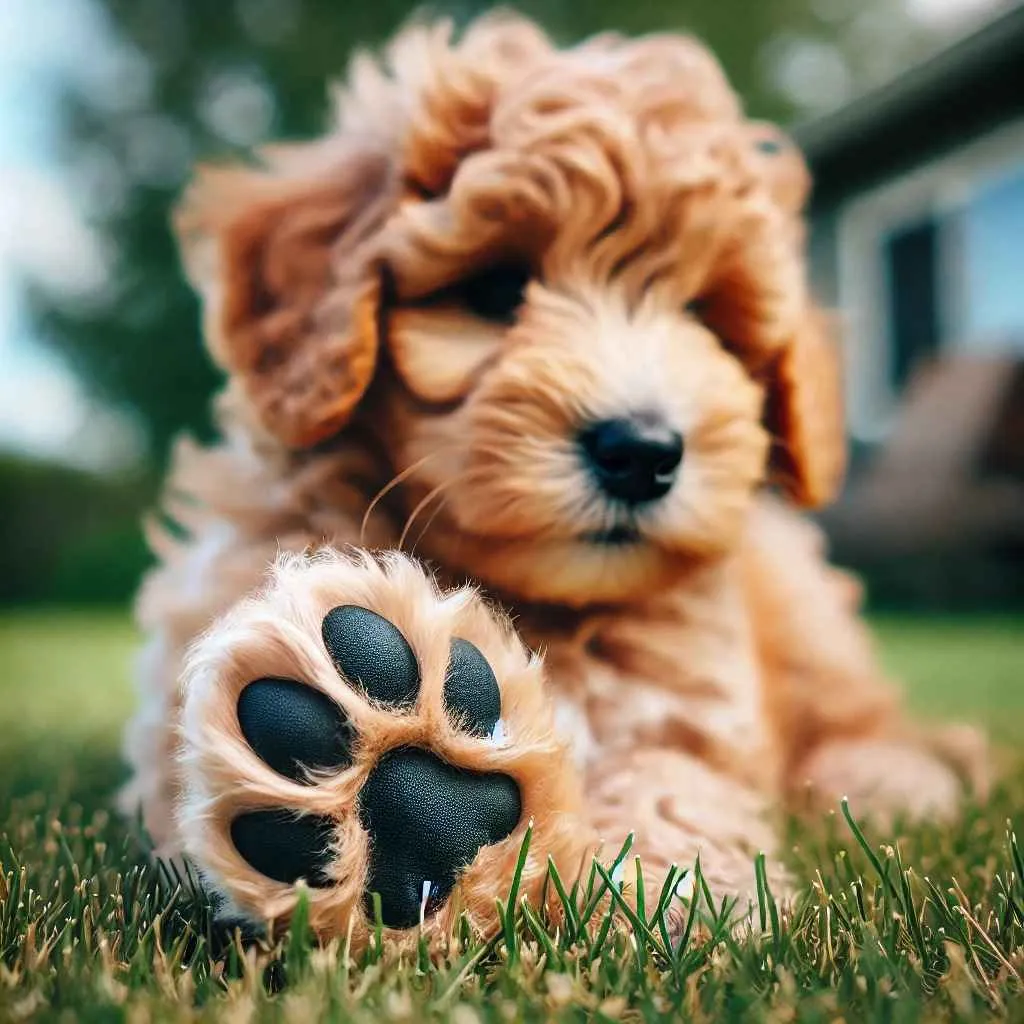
284 847
371 653
471 693
290 725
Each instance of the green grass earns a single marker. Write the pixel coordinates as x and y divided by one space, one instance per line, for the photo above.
966 668
924 924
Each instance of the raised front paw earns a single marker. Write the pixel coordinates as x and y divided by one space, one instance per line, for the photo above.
352 727
426 819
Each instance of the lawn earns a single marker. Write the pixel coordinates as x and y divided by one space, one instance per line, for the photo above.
923 924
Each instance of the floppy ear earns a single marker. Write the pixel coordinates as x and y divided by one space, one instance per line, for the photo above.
283 257
804 414
803 400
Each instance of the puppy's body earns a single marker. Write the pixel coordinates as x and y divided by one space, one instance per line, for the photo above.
694 715
501 253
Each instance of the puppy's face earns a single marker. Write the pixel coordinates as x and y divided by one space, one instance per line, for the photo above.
562 443
565 289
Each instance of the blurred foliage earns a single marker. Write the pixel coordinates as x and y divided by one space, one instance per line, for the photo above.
69 536
206 79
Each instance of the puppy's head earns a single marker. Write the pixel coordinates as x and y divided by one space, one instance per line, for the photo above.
565 288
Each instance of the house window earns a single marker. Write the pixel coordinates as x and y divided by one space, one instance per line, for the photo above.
911 261
993 244
928 263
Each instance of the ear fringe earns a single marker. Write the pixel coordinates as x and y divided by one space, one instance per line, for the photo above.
283 257
804 414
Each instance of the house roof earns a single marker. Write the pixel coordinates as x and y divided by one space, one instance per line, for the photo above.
954 95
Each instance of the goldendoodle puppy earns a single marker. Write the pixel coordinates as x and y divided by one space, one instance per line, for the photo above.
541 317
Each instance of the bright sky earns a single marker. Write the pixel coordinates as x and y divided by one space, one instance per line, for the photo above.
42 408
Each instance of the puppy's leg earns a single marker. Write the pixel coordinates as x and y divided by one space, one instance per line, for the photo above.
679 808
895 772
351 726
843 728
194 583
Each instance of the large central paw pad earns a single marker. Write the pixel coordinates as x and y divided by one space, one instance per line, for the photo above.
426 819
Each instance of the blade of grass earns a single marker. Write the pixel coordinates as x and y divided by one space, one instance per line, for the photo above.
567 901
876 863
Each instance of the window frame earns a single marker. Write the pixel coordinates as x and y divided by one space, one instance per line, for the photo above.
934 189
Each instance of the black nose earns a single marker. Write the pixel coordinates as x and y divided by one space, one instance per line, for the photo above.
632 460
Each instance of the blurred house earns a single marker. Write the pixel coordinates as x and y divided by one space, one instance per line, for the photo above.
918 238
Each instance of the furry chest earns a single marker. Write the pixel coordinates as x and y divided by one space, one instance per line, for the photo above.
713 711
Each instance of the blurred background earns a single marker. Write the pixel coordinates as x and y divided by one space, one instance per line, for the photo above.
912 116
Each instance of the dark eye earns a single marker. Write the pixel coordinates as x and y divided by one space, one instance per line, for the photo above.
497 293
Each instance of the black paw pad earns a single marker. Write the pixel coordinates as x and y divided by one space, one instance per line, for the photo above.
471 692
370 652
285 847
427 820
291 726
